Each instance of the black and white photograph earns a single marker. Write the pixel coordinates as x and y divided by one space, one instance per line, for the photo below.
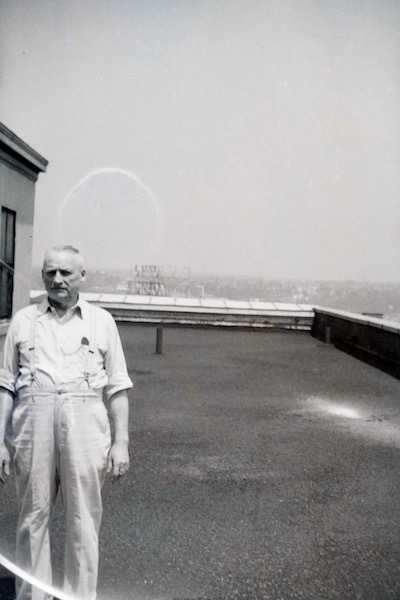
200 300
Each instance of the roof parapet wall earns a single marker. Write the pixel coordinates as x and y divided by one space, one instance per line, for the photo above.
193 312
374 341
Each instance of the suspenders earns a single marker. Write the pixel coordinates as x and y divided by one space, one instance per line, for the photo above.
86 342
32 363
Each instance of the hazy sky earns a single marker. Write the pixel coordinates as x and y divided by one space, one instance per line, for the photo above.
256 137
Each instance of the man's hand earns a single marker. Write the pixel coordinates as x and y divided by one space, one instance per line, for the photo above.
118 460
4 463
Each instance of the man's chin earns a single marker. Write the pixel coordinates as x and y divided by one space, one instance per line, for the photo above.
59 294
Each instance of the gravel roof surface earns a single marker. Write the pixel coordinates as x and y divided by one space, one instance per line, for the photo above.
263 466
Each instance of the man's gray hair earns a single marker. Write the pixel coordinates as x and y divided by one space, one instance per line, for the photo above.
65 248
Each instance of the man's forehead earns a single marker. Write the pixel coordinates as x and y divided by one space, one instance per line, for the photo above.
63 259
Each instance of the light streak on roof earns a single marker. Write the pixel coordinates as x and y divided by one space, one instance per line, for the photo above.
382 429
343 411
338 410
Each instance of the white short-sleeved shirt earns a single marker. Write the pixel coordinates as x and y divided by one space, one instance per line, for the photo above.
61 350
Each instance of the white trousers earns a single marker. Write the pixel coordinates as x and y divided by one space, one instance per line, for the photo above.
61 442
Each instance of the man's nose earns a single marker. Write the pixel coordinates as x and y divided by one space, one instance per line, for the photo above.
57 277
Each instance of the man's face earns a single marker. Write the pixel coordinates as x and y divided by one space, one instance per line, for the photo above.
63 276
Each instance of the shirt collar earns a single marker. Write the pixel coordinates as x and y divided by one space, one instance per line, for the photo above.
78 308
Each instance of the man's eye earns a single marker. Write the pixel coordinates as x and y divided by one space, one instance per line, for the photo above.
65 273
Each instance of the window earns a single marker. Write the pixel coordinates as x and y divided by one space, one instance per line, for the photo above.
7 256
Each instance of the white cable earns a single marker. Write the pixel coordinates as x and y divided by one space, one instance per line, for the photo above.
48 589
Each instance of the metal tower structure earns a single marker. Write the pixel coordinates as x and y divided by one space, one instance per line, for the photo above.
148 281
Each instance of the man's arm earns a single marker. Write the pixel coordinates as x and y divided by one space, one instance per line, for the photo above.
118 458
6 404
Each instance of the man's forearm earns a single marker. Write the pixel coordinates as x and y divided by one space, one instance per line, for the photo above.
118 458
6 405
119 410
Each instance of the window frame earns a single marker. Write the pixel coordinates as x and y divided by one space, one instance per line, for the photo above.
8 221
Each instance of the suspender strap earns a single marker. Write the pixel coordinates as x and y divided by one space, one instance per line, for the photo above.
32 333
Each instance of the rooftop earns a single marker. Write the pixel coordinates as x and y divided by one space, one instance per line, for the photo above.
13 146
265 465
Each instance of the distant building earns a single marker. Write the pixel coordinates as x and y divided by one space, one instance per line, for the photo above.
20 166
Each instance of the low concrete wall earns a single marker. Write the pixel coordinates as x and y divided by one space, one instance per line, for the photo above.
372 340
195 312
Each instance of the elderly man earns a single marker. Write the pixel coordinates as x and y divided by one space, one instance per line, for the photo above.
59 359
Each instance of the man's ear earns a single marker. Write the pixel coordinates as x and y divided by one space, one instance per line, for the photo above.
83 274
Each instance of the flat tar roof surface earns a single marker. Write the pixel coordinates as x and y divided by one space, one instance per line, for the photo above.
263 466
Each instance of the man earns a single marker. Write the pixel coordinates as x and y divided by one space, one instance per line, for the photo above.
59 358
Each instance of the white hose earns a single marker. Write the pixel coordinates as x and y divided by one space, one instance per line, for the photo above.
48 589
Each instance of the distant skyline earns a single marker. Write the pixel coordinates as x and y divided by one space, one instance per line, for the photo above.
236 137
